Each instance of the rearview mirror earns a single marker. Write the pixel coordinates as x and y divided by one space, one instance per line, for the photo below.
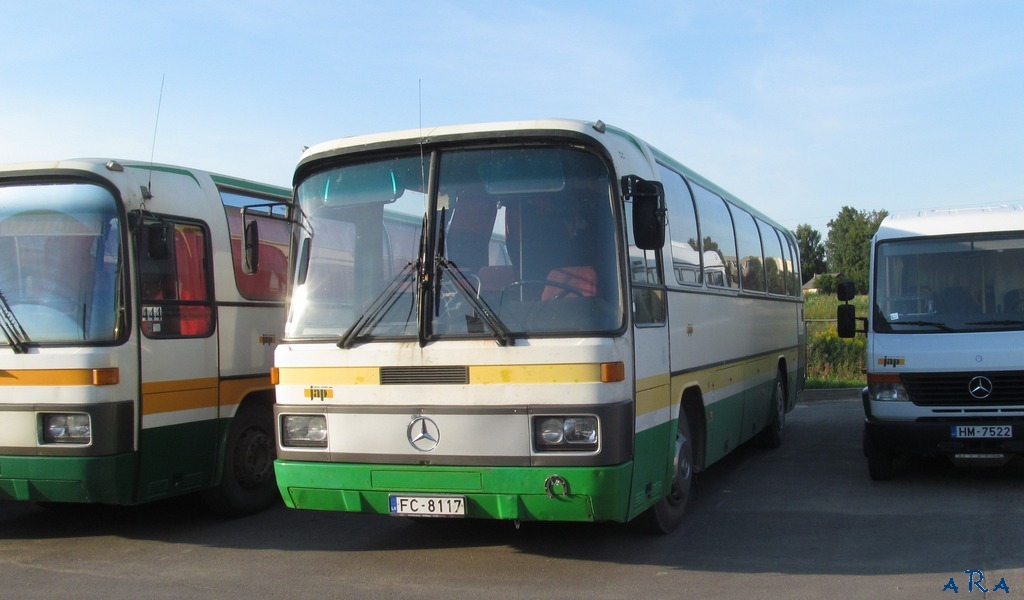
648 199
846 320
159 240
845 291
251 243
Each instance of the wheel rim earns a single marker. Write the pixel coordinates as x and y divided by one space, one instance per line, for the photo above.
683 471
254 460
780 405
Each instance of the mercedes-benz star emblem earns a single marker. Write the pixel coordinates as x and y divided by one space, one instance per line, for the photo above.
423 434
980 387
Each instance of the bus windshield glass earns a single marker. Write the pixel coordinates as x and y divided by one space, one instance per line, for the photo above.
519 241
950 284
60 273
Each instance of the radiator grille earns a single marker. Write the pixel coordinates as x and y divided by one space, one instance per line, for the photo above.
949 389
424 375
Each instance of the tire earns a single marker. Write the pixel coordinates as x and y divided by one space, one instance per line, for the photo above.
667 514
881 464
247 483
771 436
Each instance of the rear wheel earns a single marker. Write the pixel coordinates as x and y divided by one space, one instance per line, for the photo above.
247 482
667 514
771 436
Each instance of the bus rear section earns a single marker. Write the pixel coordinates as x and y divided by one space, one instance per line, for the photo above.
944 338
478 328
136 350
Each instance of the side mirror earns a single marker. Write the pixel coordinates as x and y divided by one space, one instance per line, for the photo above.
303 262
648 199
159 240
845 291
251 244
846 320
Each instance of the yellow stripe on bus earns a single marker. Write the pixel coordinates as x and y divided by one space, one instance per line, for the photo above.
307 376
59 377
478 374
559 373
170 396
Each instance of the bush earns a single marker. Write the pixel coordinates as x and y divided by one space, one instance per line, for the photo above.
832 359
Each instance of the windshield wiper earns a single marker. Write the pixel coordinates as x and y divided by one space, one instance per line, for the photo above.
1002 322
935 324
16 335
384 301
502 334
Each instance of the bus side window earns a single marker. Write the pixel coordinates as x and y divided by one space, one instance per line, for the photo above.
175 289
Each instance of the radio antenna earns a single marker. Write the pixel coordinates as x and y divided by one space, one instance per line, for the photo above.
419 101
147 193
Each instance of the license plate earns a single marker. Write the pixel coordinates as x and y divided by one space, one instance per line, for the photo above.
428 506
983 431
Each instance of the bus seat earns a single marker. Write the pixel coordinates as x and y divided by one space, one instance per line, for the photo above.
955 299
1013 301
496 278
579 280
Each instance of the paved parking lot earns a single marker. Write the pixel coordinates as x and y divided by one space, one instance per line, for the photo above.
802 521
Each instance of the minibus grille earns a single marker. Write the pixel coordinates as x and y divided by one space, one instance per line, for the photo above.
424 375
953 389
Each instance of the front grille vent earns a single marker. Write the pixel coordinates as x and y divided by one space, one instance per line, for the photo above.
953 389
424 375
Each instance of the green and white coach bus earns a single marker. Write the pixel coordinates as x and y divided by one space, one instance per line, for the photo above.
582 369
137 342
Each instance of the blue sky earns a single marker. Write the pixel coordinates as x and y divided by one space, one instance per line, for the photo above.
798 107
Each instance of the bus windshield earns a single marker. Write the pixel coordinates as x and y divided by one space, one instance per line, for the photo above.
950 284
519 241
61 249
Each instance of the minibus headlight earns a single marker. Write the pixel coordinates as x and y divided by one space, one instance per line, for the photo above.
576 432
67 428
306 431
887 392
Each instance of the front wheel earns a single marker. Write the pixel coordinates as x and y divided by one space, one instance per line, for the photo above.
881 463
247 483
667 514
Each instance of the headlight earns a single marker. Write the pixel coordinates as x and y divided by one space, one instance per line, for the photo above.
70 428
307 431
577 433
886 388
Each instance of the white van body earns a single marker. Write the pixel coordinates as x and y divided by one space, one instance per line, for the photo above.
945 368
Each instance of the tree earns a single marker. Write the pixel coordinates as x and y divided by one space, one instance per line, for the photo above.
812 251
849 243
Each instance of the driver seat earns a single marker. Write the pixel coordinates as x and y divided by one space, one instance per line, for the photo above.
580 280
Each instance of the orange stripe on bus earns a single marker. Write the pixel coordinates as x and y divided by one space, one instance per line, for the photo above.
59 377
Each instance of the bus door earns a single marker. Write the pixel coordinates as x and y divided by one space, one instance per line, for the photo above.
179 364
655 444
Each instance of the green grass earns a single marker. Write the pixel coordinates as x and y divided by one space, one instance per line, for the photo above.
832 362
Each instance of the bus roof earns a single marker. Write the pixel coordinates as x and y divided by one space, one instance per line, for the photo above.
429 134
104 165
952 221
569 127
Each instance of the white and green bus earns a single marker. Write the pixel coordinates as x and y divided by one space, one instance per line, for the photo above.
579 369
137 342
